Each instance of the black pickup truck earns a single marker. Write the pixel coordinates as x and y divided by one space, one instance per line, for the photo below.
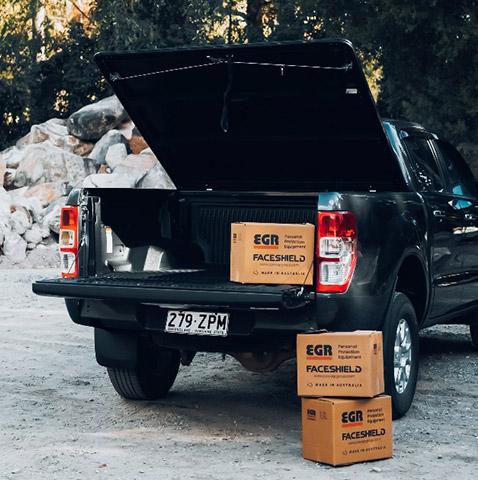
284 133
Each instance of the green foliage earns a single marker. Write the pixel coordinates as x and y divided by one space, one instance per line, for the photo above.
424 53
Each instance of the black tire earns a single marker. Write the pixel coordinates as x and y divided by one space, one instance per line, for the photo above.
474 335
151 379
401 310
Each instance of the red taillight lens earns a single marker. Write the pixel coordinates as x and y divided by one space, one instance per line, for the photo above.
336 253
68 242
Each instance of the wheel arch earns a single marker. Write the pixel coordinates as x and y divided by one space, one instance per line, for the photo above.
412 280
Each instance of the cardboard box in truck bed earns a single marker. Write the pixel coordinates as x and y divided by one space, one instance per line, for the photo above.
340 364
272 253
340 431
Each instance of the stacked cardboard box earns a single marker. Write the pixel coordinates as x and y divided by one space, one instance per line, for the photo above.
345 416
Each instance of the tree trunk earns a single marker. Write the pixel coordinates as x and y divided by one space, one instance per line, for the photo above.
254 20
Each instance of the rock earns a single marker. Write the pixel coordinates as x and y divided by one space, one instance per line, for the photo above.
9 178
3 231
11 156
55 132
126 129
93 121
44 256
108 140
136 164
31 205
157 177
115 155
44 162
113 180
3 171
48 192
5 205
33 236
20 220
14 247
50 130
51 219
74 145
137 143
45 231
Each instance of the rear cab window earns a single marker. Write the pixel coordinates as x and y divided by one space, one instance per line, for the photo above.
460 179
423 164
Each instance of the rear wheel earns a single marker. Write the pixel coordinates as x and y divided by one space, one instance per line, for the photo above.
474 335
151 379
400 352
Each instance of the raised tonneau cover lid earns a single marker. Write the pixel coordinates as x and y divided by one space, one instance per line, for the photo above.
264 117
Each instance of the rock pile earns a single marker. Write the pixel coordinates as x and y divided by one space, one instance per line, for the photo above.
98 146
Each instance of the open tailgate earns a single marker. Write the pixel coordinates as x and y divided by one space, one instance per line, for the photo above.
189 288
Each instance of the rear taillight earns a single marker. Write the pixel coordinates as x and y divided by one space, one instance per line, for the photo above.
68 242
336 254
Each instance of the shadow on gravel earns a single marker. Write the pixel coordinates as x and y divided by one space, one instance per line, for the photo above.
451 344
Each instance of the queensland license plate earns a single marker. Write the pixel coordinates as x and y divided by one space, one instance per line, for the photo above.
197 323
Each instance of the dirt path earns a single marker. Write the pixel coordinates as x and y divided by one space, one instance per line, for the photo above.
60 418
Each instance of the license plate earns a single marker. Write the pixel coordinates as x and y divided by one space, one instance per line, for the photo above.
197 323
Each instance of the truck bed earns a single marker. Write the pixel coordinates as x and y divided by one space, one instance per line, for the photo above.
186 287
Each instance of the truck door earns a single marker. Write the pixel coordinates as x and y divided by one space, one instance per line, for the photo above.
463 188
445 220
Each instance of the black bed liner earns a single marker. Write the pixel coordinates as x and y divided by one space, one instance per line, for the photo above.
191 287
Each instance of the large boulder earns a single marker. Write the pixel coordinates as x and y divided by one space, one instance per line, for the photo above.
44 162
48 192
136 163
14 247
115 155
55 132
158 178
50 130
93 121
113 180
98 154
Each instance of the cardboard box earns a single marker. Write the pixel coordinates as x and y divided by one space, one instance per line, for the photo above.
341 431
272 253
340 364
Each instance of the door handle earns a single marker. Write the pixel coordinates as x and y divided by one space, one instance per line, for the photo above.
439 213
470 216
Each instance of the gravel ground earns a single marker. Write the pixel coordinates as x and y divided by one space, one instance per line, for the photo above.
60 418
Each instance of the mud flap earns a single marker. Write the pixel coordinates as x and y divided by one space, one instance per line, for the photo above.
115 349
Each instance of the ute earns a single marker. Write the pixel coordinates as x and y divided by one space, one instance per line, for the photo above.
283 133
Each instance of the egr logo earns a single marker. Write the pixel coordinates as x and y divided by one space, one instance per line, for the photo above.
268 241
319 352
354 418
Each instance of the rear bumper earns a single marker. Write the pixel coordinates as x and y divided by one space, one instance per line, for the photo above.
262 317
